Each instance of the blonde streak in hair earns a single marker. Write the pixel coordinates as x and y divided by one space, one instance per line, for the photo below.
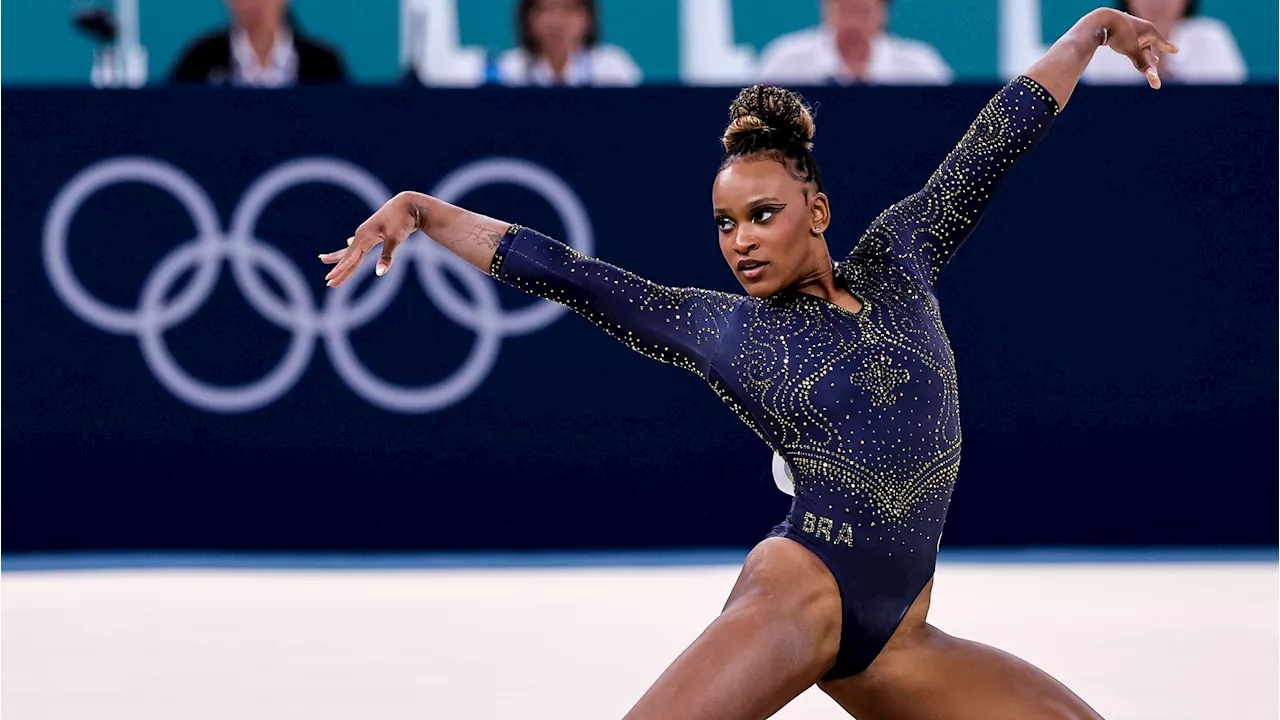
808 126
740 126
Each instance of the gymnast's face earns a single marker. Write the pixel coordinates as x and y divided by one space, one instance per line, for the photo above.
770 225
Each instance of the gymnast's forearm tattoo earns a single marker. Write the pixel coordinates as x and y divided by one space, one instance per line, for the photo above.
484 236
471 236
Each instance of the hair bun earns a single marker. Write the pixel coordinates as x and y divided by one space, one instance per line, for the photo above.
764 116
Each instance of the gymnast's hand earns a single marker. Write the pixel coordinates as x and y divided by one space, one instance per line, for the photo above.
471 236
389 226
1137 40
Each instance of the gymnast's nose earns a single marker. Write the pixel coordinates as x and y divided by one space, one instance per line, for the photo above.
744 241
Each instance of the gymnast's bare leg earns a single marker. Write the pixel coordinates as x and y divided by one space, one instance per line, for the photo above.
777 635
926 674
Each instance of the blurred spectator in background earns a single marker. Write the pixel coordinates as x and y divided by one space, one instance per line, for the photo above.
560 45
262 48
1207 51
851 46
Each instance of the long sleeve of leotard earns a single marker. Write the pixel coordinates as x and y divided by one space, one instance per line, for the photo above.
681 326
924 230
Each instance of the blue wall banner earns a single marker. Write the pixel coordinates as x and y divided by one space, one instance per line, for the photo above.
177 376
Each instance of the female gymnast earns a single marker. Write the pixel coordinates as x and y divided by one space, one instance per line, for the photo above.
843 369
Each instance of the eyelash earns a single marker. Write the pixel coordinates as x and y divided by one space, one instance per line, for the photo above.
772 210
761 210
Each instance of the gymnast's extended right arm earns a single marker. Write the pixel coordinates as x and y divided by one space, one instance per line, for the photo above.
682 326
471 236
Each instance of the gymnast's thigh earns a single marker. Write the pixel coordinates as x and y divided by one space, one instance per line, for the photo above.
930 675
777 635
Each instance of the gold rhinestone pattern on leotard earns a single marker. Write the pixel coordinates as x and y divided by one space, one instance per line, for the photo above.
864 407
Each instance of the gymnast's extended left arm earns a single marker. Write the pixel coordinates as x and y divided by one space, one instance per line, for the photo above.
679 325
924 230
1059 70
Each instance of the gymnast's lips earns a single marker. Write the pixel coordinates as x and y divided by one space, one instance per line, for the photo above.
750 268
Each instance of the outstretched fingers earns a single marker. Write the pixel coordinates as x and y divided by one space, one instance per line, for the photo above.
1145 61
330 258
369 235
1150 37
1149 41
347 260
388 255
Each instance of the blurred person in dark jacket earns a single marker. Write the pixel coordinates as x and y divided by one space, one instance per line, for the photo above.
262 48
560 45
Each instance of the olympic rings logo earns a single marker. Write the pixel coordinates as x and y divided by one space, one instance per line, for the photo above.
247 255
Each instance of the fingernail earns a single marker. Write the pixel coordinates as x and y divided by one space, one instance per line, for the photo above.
1151 73
380 270
329 284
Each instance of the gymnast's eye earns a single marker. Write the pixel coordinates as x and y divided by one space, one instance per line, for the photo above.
724 223
763 214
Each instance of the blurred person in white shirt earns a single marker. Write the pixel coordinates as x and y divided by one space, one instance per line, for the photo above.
1208 53
559 45
852 47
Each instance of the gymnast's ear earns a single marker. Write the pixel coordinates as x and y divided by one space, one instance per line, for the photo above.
819 212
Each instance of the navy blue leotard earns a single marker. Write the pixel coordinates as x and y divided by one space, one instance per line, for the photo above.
862 406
